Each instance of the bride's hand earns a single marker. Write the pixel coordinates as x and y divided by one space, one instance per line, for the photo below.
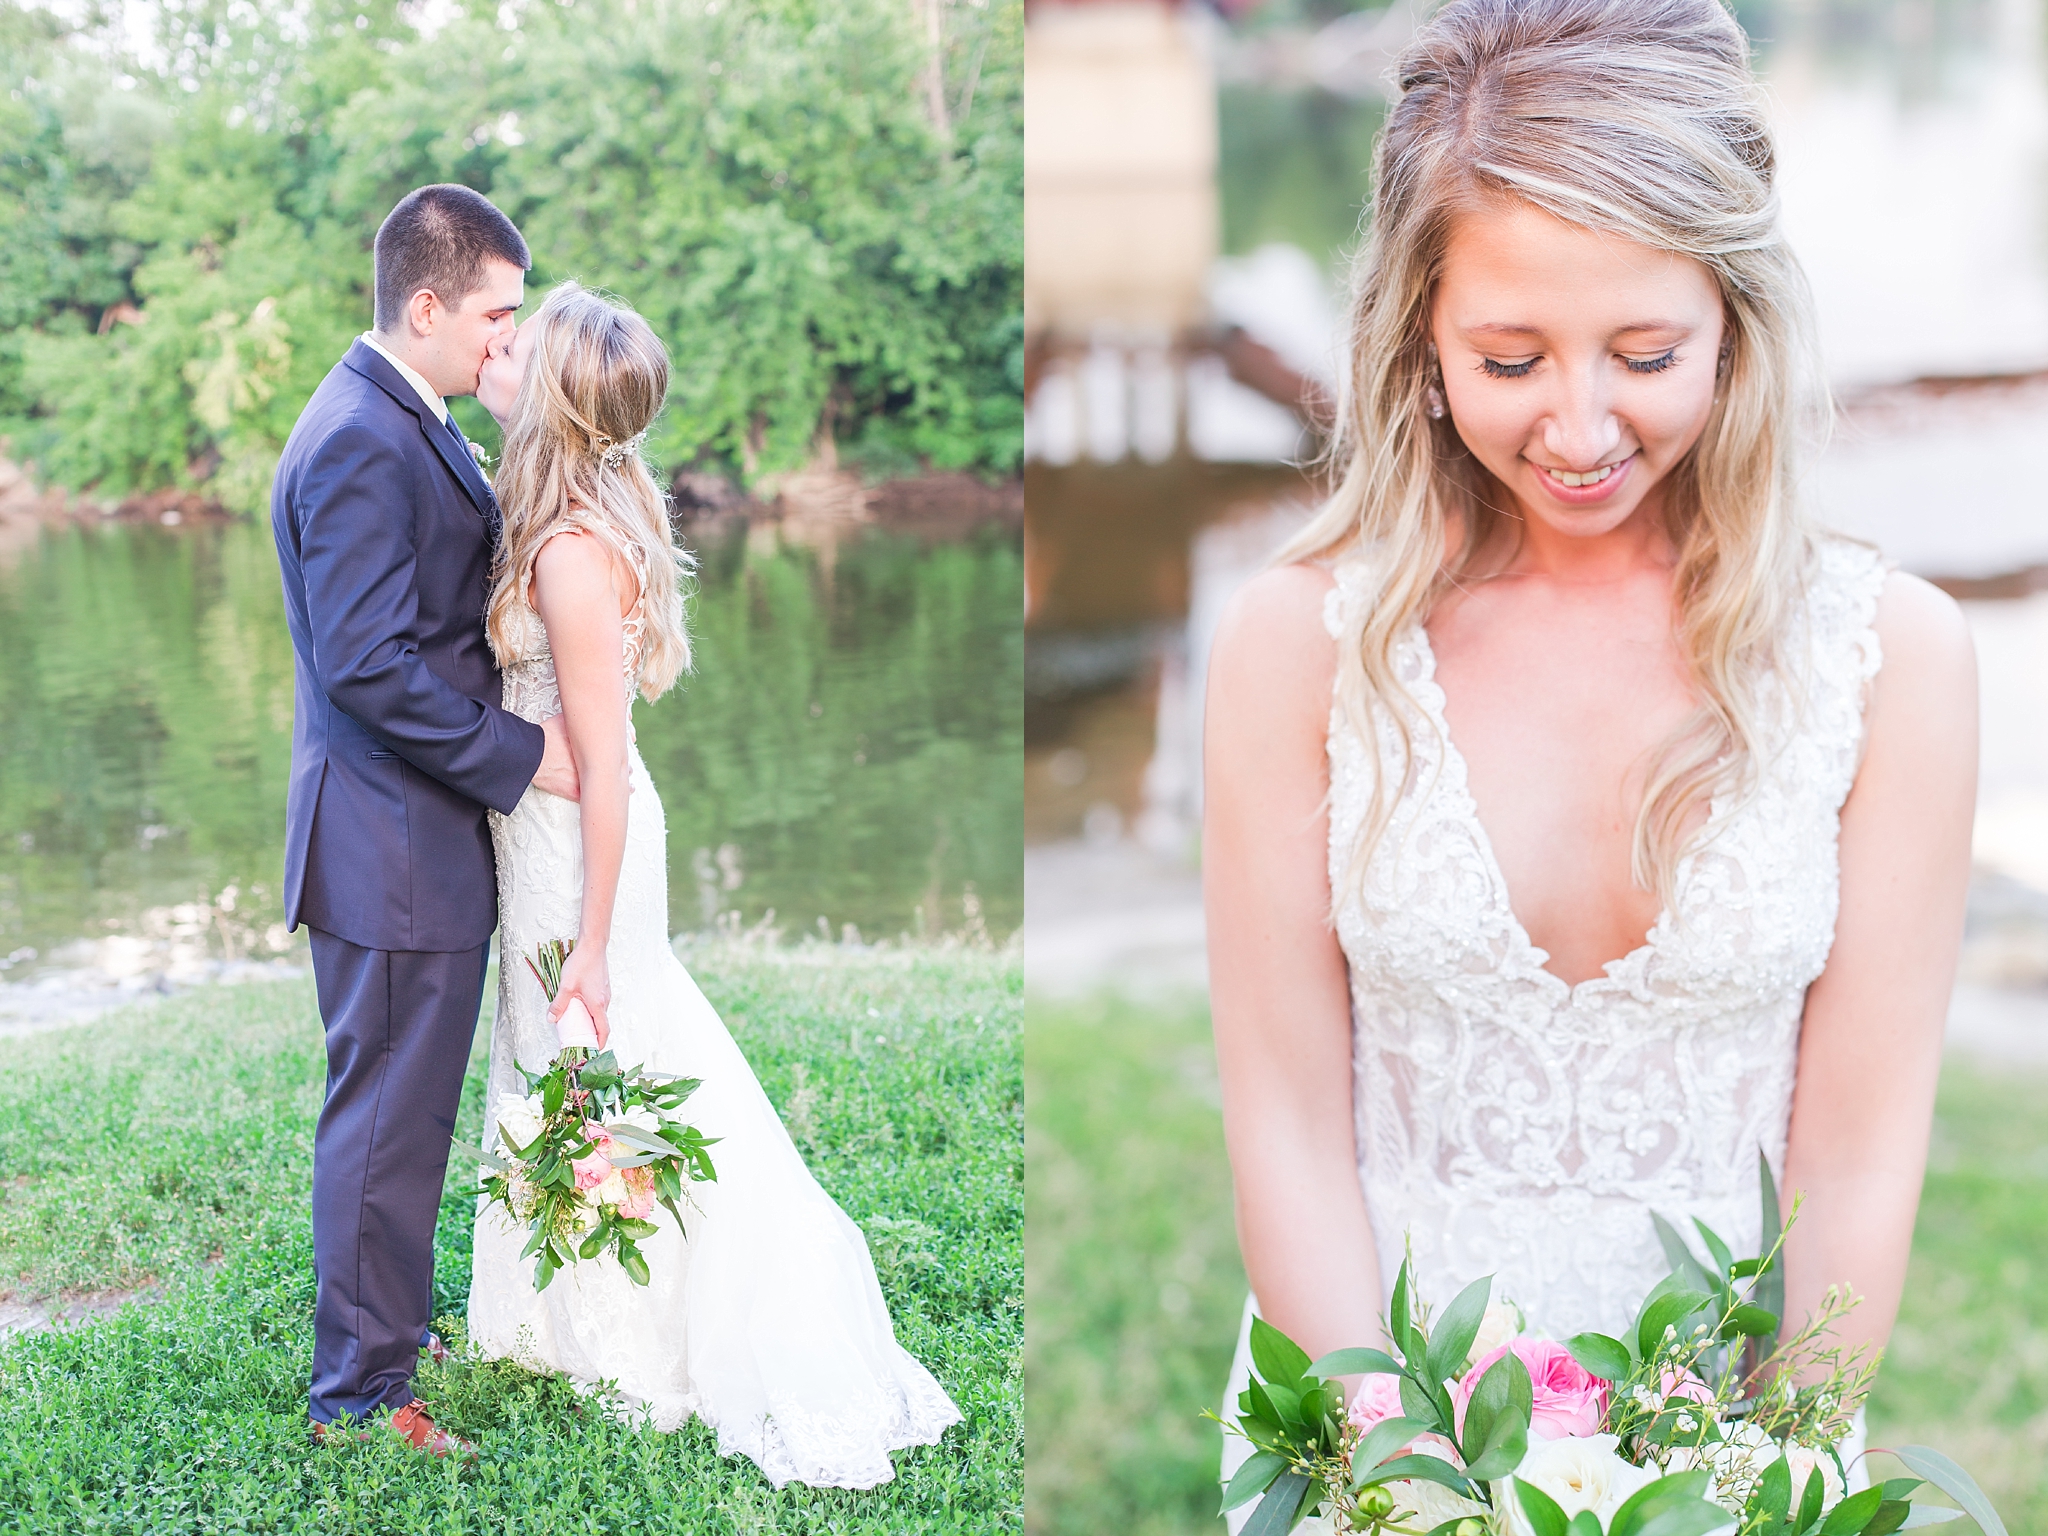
586 976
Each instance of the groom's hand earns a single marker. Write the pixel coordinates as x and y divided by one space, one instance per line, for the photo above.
557 772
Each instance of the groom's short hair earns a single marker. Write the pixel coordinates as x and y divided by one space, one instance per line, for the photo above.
439 237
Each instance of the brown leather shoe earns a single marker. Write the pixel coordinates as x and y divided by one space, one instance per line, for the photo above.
435 1350
417 1428
420 1431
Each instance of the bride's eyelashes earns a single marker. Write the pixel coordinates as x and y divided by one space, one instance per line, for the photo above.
1493 368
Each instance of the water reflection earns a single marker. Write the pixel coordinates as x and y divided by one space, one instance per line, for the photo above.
847 751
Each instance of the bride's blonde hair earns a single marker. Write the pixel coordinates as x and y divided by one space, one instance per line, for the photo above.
595 380
1640 119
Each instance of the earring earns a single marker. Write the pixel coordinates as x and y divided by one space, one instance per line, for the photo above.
1433 402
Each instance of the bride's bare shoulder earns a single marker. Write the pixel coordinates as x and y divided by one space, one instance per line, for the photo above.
1273 654
1277 617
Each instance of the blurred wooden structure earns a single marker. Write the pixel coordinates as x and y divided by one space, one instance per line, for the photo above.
1120 197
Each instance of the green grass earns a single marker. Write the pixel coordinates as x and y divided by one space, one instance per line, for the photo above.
173 1149
1135 1287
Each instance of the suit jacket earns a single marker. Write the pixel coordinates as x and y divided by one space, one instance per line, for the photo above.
384 528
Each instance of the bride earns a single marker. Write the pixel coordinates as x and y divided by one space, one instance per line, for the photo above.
766 1320
1580 818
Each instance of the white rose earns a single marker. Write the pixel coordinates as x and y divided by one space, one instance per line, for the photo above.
1502 1321
1433 1504
612 1190
584 1214
1578 1474
1802 1460
520 1120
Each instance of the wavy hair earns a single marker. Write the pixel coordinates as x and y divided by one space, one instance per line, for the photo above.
596 378
1635 118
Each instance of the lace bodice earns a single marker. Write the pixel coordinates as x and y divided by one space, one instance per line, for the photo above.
1510 1123
531 691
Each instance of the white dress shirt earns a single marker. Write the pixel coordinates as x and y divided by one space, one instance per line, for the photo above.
434 402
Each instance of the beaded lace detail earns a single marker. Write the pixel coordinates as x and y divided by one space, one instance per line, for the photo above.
530 688
1511 1123
766 1320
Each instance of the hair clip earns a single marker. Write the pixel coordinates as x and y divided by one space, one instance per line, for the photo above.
610 453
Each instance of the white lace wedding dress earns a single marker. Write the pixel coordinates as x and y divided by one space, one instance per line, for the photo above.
767 1321
1511 1124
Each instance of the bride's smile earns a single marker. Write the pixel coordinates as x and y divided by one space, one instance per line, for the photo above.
1578 368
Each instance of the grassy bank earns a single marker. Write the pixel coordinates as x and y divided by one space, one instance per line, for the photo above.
1135 1287
173 1150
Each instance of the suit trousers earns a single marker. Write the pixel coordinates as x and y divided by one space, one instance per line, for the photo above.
399 1027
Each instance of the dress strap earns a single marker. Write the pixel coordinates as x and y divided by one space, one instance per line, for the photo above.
1844 654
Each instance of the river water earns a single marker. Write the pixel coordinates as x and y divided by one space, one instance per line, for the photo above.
846 756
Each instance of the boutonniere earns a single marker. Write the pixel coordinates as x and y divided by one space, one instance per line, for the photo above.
482 457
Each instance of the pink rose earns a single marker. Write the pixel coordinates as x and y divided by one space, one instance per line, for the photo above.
591 1171
639 1205
1568 1401
1378 1397
1687 1386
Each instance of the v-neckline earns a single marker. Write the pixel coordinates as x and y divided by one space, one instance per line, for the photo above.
1536 958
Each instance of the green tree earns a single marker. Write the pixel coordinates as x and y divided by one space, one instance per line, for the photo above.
816 209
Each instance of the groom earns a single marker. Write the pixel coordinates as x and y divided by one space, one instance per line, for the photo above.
384 528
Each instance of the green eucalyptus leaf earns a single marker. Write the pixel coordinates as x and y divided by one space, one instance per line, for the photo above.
1356 1362
1277 1357
1772 1495
1685 1517
1417 1403
1456 1327
1925 1462
634 1265
1540 1509
1275 1513
1397 1313
1754 1321
1252 1479
1930 1514
1811 1500
1769 1291
1723 1259
1603 1357
1287 1403
1492 1395
1651 1498
1680 1256
1853 1513
1506 1445
1418 1468
1382 1440
1668 1311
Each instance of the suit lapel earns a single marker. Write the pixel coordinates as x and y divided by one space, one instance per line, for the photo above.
448 441
453 447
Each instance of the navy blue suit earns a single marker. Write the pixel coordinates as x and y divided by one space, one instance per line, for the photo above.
384 529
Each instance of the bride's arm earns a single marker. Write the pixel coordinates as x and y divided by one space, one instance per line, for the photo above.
1870 1046
1277 983
576 592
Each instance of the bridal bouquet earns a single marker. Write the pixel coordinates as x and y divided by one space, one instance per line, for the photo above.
1701 1420
592 1149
